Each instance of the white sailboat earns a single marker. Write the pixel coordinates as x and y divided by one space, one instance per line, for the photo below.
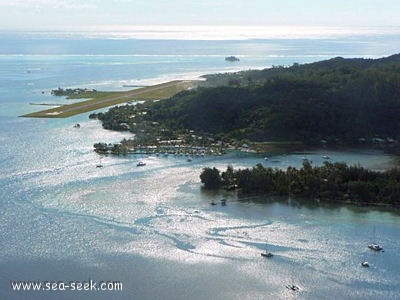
375 246
266 253
99 165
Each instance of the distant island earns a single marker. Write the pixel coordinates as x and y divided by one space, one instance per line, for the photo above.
336 102
232 58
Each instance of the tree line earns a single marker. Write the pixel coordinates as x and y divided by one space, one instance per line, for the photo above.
338 100
328 182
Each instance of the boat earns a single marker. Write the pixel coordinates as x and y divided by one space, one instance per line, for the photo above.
326 157
375 247
365 264
99 165
267 254
293 287
140 164
213 203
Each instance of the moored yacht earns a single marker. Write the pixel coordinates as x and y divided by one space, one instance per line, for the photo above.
375 247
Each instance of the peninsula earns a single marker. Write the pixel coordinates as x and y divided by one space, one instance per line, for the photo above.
105 99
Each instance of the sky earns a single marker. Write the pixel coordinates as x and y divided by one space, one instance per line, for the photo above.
124 14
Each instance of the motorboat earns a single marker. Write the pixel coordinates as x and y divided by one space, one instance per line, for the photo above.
140 164
375 247
365 264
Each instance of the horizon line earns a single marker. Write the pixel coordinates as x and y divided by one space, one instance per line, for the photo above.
207 32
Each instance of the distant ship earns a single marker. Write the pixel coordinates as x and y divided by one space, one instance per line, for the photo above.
232 58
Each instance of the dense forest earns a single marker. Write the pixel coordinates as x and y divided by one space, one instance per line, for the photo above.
337 101
329 182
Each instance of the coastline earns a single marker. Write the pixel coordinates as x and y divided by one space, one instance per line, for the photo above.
157 91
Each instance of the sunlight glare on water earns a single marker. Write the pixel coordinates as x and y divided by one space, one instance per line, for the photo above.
153 227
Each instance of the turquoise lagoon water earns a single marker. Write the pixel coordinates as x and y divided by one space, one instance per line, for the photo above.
152 228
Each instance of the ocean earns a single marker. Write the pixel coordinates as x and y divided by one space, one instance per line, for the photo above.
152 228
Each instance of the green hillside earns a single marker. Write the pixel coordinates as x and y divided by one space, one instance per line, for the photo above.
338 100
